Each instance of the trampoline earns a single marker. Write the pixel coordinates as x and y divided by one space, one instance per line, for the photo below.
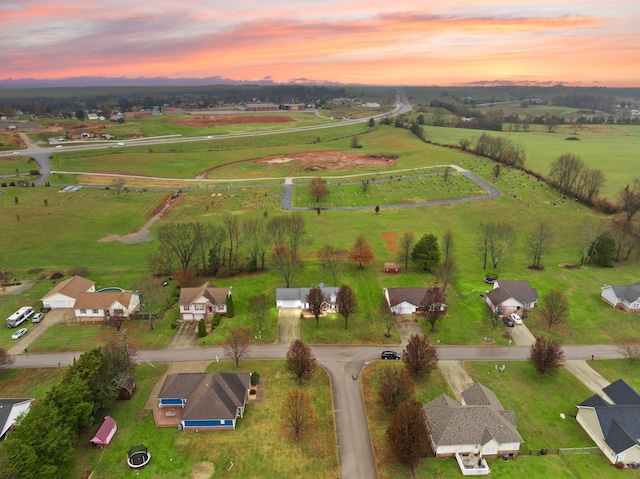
138 456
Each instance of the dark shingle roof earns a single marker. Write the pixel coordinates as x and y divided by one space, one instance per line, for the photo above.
410 295
451 423
621 393
300 294
517 289
208 395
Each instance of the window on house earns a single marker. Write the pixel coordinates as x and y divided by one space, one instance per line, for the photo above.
222 421
221 307
95 311
83 311
199 307
185 308
118 311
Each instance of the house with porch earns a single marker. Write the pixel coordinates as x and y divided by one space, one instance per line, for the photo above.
65 293
626 298
202 400
612 421
99 305
508 297
297 297
203 302
473 429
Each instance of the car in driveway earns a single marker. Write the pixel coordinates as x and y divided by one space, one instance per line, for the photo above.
37 317
516 318
507 322
390 355
19 333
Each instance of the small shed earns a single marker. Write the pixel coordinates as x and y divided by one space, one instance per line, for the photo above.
126 387
391 268
105 432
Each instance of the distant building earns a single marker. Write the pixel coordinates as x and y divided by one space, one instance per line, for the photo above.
261 106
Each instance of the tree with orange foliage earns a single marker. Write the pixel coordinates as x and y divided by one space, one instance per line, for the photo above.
361 251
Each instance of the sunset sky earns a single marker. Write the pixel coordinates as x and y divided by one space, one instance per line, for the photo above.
398 42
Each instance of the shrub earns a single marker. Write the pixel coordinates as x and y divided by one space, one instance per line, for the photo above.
215 321
202 328
230 307
255 378
56 275
174 325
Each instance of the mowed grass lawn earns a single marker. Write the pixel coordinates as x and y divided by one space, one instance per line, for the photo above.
259 447
536 404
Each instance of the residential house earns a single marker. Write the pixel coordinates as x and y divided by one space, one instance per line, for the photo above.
203 400
626 298
203 302
101 304
478 426
511 297
391 268
297 297
612 421
10 409
65 293
406 300
90 305
105 432
80 135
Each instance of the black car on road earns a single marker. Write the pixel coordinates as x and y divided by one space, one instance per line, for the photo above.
390 355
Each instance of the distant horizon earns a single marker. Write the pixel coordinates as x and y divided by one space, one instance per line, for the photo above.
104 81
582 43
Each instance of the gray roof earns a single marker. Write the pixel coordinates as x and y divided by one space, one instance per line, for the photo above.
300 294
620 422
208 395
6 406
451 423
518 289
630 293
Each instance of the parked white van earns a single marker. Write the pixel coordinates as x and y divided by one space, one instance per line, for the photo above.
19 317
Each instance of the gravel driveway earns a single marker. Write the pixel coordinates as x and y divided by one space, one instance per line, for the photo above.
288 325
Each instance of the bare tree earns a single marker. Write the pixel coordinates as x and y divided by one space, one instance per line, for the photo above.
114 319
565 171
538 243
494 317
546 355
149 296
432 306
387 317
364 186
238 345
630 349
316 300
212 249
405 247
287 261
182 239
300 360
629 199
625 237
447 273
482 245
554 307
5 358
258 308
332 259
318 189
232 225
501 240
589 183
298 414
407 434
420 356
446 174
254 232
395 387
120 354
448 246
162 260
346 303
361 251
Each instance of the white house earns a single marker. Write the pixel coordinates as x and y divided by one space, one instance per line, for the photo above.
203 302
406 300
297 297
614 424
96 306
65 293
626 298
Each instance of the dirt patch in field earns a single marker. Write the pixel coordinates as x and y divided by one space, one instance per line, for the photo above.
392 241
202 470
210 120
330 160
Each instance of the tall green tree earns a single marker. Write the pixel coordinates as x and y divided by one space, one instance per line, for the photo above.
426 252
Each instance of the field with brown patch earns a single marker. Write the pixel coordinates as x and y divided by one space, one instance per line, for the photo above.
210 120
332 160
391 239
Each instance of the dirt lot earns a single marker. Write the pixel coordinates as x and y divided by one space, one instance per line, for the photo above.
329 160
210 120
391 239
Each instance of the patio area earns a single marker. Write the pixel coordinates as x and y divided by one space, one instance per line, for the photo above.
472 465
168 416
